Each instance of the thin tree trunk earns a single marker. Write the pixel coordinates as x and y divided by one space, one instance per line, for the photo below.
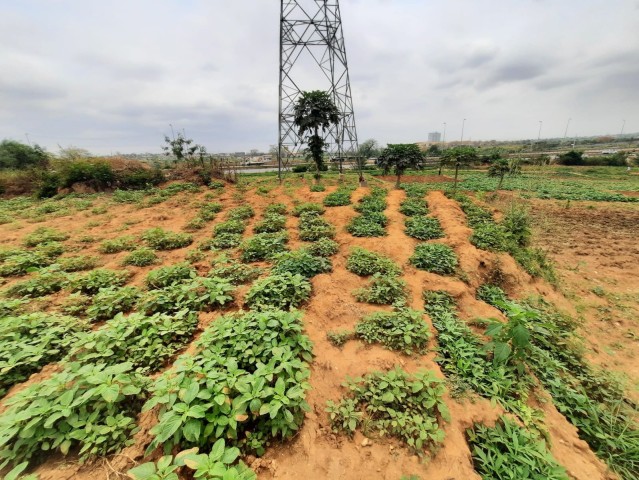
456 171
398 184
440 169
501 180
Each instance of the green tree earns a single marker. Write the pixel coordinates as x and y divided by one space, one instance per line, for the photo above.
184 150
20 156
399 157
369 149
314 111
499 168
459 156
572 157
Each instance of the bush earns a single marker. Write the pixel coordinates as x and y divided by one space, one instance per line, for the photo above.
139 178
517 224
97 174
160 239
435 258
263 246
225 241
364 263
231 226
20 156
300 168
414 206
324 247
92 282
283 291
424 228
142 257
382 290
169 275
44 235
117 245
338 198
313 208
403 330
110 301
271 223
302 262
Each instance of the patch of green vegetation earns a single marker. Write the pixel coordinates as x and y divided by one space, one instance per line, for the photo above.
171 274
339 198
283 291
308 207
241 213
414 207
235 272
312 228
364 263
44 235
270 223
93 281
209 211
46 281
141 257
324 247
263 246
339 338
110 301
435 258
119 244
403 330
303 262
19 262
78 263
423 228
160 239
225 241
363 226
195 295
277 208
230 226
383 289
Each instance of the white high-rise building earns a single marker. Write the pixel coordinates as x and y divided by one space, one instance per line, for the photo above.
435 137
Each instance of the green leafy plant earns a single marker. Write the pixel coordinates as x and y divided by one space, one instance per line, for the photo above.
492 294
90 283
78 263
312 227
160 239
318 187
20 262
235 272
303 262
324 247
363 226
169 275
489 236
403 330
141 257
414 207
283 291
90 407
224 241
263 246
194 225
241 213
383 289
338 198
230 226
209 211
117 245
47 280
195 295
312 208
339 338
395 403
44 235
424 228
435 258
110 301
364 262
271 223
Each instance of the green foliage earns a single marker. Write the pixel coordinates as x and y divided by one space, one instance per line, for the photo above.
572 157
372 221
492 294
119 244
324 247
145 342
263 246
9 307
169 275
230 226
243 212
383 289
160 239
403 330
510 452
29 342
339 338
489 236
400 157
75 304
313 208
44 235
271 223
92 282
235 272
373 202
20 156
47 280
224 241
313 228
194 225
141 257
19 262
278 208
363 226
195 295
318 187
78 263
97 174
208 211
282 291
338 198
364 262
303 262
110 301
414 206
396 403
517 223
90 407
424 228
246 383
435 258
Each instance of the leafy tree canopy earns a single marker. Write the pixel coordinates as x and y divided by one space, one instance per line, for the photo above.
18 155
400 157
461 155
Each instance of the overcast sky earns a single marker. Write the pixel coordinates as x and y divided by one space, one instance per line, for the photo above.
110 76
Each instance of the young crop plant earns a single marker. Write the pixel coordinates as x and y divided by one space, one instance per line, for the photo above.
147 342
283 291
339 198
196 295
91 409
246 383
78 263
363 262
435 258
240 213
383 289
407 406
221 463
29 342
11 306
318 187
209 211
312 208
364 226
119 244
225 241
76 304
278 208
424 228
373 202
92 282
141 257
230 226
44 235
492 295
403 330
47 280
21 262
235 272
490 237
165 276
510 451
271 223
412 207
110 301
302 262
160 239
194 225
313 228
263 246
339 338
324 247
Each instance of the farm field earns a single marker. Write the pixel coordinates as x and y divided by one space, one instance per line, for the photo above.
354 332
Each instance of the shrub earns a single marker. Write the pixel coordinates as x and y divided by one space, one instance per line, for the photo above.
122 196
324 247
364 227
117 245
435 258
403 330
338 198
194 225
235 272
300 168
47 281
414 206
139 178
312 208
424 228
92 282
383 290
110 301
160 239
29 342
98 175
302 262
517 224
44 235
96 414
231 226
78 264
263 246
142 257
224 241
241 213
271 223
169 275
196 295
364 263
283 291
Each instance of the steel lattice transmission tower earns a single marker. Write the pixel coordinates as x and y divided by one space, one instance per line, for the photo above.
313 57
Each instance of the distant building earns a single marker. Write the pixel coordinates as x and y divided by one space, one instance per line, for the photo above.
434 137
